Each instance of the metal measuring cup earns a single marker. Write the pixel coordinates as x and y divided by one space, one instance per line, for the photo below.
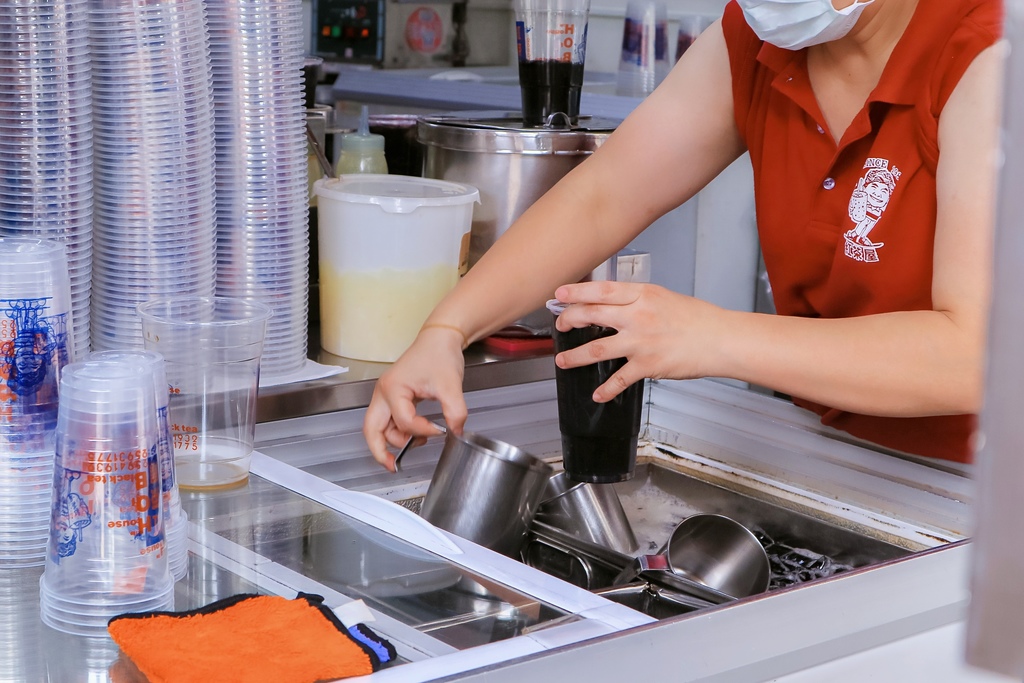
711 556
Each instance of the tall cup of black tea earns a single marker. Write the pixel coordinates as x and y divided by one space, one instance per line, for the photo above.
599 440
551 41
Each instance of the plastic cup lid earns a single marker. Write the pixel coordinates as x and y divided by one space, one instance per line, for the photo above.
556 306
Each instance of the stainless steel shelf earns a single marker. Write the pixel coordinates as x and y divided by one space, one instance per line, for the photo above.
485 369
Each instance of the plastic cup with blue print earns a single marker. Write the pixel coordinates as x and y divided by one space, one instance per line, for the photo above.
212 348
643 63
599 440
35 341
551 42
107 552
35 330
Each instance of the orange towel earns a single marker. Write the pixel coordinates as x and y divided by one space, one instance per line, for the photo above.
252 638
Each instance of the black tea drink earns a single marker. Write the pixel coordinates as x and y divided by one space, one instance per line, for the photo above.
599 440
549 86
551 43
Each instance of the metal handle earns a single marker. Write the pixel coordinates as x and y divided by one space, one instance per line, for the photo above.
409 444
642 565
325 165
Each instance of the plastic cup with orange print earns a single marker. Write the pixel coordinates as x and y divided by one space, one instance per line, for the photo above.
107 552
212 348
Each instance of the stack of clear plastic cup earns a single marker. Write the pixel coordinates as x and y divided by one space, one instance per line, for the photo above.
644 62
257 57
106 555
155 213
46 135
175 518
21 633
35 316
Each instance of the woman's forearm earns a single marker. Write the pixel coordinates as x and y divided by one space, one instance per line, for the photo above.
660 156
904 364
559 239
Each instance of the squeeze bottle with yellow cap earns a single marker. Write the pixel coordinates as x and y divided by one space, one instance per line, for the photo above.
362 151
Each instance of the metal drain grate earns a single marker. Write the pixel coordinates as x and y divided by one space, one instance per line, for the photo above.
414 504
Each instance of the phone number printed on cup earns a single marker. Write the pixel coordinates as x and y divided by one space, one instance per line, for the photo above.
185 437
108 461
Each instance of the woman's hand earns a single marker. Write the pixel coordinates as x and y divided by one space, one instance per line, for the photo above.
661 334
432 368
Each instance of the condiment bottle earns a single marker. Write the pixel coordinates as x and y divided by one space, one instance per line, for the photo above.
362 151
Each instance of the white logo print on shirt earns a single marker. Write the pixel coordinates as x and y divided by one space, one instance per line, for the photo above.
867 203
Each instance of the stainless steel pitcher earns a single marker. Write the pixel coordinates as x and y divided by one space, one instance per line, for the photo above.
485 491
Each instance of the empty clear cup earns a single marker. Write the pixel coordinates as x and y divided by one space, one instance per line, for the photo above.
551 42
175 518
212 348
106 553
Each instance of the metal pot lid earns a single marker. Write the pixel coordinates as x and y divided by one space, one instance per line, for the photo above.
502 132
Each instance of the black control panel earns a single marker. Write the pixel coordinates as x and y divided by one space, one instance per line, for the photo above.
349 30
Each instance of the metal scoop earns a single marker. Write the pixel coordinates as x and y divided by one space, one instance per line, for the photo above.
710 556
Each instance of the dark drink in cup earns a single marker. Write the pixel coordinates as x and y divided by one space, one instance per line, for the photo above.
549 86
551 43
599 440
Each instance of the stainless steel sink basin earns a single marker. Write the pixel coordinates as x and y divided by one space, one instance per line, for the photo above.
652 600
657 498
801 548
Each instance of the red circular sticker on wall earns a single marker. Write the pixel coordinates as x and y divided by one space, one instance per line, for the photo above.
424 31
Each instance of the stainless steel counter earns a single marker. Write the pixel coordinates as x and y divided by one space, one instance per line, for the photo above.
485 369
470 88
305 522
264 538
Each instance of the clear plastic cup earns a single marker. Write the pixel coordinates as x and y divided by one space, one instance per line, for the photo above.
35 345
212 348
107 552
690 26
644 61
551 41
175 518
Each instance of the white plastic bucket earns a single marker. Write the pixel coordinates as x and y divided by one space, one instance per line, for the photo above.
390 247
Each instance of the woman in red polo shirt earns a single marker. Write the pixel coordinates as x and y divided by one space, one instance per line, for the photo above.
871 128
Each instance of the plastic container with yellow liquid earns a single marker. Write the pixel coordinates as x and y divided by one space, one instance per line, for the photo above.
390 247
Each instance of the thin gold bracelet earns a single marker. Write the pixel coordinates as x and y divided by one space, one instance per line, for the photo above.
443 326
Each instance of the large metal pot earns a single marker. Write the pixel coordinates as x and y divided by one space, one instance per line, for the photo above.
485 491
512 166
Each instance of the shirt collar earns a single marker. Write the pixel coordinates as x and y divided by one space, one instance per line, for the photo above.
900 80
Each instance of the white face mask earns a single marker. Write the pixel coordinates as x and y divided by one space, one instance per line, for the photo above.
796 24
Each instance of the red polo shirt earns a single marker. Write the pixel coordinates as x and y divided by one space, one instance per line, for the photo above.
848 229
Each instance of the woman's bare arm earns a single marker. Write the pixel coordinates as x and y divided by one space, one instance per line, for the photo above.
673 144
911 363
